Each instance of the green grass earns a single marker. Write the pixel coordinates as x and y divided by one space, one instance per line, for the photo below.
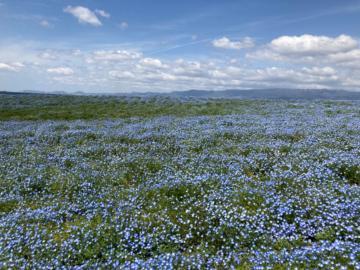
351 174
88 108
8 206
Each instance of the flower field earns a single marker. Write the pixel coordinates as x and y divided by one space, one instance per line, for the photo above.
208 184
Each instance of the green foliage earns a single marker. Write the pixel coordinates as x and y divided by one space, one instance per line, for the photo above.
292 138
8 206
328 234
351 173
52 107
68 163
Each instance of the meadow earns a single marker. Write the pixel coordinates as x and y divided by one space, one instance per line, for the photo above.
89 182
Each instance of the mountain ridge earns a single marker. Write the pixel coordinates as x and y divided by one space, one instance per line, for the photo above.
226 94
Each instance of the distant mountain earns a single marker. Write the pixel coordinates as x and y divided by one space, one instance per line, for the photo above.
24 92
291 94
271 94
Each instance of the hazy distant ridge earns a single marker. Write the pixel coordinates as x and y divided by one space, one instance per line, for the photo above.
307 94
265 94
271 94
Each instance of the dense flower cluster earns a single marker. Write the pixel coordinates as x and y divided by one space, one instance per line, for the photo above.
277 187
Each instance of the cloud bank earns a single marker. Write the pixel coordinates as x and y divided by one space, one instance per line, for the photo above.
309 45
305 61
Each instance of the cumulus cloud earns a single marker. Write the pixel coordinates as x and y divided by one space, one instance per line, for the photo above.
84 15
160 76
152 62
226 43
102 13
183 74
65 71
146 77
293 77
313 45
350 59
115 55
191 69
14 67
312 50
194 74
319 71
121 74
346 56
130 69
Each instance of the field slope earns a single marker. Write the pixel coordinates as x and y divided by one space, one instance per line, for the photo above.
164 183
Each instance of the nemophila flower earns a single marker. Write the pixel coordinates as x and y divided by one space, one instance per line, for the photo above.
183 193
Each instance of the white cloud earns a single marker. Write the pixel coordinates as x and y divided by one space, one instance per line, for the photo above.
350 59
226 43
84 15
152 62
118 55
219 74
183 74
313 45
123 25
18 65
353 55
267 54
121 74
191 68
66 71
341 51
14 67
102 13
161 76
351 83
293 77
128 69
319 71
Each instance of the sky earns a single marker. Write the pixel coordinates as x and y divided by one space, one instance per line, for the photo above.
140 45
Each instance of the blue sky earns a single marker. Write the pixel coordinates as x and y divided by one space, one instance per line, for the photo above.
120 46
